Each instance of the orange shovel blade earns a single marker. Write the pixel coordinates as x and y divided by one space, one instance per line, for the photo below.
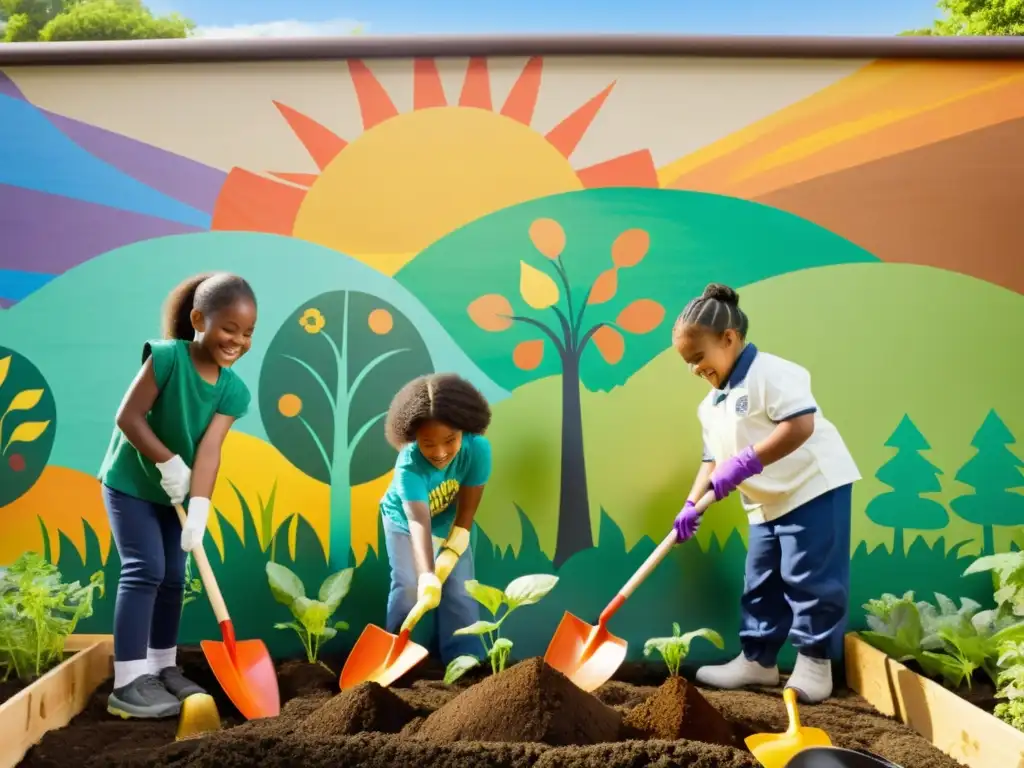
372 660
586 654
251 684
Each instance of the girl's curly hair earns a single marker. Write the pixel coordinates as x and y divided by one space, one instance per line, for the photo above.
446 397
208 292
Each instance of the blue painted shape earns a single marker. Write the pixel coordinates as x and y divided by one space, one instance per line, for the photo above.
15 285
36 155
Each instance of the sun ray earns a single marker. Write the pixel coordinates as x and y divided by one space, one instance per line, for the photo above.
427 90
476 88
374 103
251 203
522 99
567 134
635 169
322 144
302 179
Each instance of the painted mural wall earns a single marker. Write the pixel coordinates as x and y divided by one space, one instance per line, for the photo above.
535 225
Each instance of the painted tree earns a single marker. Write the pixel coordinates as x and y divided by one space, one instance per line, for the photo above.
994 472
568 332
28 417
909 474
327 380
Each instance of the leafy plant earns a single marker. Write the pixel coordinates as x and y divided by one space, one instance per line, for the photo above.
1011 678
311 616
1008 569
526 590
37 613
193 586
676 648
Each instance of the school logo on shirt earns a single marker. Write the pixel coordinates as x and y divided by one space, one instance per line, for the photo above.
442 496
742 405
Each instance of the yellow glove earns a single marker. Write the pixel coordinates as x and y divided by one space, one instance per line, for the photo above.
428 597
452 549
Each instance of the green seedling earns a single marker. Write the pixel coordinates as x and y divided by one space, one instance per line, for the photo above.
37 613
676 648
193 586
311 617
526 590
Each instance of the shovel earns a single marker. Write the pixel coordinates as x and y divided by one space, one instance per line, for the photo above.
381 657
590 655
774 750
242 667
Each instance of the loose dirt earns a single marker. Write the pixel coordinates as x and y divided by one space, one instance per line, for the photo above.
426 723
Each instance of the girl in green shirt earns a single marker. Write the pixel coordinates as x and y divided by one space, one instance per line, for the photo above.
165 450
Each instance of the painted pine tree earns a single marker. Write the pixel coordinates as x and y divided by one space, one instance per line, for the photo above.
909 474
994 472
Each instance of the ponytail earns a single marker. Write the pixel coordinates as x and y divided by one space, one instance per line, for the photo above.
177 319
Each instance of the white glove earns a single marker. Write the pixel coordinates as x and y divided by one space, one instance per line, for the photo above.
175 478
195 523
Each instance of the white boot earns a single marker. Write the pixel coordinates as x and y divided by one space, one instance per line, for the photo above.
738 673
812 679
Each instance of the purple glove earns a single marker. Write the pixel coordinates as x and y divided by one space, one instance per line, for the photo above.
731 473
687 522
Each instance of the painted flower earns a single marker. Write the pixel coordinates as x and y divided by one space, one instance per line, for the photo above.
312 321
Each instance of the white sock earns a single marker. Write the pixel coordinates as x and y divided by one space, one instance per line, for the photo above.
161 658
127 671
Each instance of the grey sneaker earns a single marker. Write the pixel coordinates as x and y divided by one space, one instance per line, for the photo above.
144 697
177 684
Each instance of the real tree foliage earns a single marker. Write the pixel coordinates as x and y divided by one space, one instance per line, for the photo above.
67 20
977 18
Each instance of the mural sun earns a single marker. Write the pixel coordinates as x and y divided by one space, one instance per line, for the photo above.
484 159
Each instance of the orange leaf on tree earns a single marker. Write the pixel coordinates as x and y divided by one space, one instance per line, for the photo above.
610 344
492 312
630 247
604 287
641 316
548 237
528 354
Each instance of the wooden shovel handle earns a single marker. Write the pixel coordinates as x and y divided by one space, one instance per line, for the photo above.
651 563
220 610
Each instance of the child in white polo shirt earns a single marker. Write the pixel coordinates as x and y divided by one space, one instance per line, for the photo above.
765 435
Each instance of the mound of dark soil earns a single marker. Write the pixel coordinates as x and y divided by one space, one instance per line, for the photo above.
365 708
529 702
678 710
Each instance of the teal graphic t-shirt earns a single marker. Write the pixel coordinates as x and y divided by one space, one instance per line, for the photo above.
416 479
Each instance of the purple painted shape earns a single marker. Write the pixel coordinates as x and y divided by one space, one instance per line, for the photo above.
191 182
5 303
8 88
50 233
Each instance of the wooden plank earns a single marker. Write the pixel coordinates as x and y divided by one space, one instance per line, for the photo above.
963 731
53 700
81 642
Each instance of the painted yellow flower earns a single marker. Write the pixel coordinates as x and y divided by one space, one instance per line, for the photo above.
312 321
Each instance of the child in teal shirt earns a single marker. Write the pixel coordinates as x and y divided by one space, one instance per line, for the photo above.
437 424
166 449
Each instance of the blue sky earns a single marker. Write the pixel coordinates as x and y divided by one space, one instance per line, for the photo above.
798 17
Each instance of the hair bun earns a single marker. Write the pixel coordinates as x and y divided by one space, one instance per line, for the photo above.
723 293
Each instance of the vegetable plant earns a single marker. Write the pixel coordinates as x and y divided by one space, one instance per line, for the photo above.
526 590
1011 680
311 616
38 611
1008 570
676 648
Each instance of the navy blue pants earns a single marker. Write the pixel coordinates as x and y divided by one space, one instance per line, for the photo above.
797 581
147 610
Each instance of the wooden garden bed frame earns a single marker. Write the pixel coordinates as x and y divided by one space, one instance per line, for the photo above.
960 729
56 697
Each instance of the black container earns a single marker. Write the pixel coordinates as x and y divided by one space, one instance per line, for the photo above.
835 757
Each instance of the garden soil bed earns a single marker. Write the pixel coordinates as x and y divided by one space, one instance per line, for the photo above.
528 716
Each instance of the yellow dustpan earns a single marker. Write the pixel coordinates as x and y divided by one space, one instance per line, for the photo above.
775 750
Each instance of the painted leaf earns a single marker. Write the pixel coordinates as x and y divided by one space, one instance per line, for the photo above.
604 287
28 432
527 590
25 400
527 355
285 586
548 237
5 366
641 316
537 289
492 312
610 344
458 667
630 247
489 597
